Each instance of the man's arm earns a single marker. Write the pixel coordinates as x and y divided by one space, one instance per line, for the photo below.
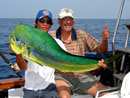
21 62
104 44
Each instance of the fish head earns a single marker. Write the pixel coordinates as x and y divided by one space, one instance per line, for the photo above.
18 46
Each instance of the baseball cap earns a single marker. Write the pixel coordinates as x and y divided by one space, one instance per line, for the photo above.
66 12
43 13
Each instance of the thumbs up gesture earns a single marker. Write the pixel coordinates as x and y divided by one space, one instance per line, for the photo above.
105 33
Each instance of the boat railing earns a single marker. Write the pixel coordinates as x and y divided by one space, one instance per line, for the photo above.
113 41
119 76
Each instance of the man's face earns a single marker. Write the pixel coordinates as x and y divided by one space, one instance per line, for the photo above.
44 24
66 23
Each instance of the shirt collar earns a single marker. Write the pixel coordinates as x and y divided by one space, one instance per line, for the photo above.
73 37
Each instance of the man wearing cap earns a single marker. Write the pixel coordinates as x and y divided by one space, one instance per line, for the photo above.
39 80
77 42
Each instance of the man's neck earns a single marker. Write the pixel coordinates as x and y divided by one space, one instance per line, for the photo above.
66 36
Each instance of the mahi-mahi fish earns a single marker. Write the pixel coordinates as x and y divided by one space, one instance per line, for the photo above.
39 47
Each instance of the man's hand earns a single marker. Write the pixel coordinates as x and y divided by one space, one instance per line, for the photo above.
101 64
10 48
105 34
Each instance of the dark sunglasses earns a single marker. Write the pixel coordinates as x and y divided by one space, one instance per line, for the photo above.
49 21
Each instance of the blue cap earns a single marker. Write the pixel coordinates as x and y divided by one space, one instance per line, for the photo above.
43 13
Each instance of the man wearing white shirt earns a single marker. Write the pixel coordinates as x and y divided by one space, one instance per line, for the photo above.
39 80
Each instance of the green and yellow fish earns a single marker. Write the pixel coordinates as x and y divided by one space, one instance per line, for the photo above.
40 47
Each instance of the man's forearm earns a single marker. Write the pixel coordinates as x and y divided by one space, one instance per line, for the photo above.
103 47
21 62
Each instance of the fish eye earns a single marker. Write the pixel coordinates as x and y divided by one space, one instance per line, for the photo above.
13 38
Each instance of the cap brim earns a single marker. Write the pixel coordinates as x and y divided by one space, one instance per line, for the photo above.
67 16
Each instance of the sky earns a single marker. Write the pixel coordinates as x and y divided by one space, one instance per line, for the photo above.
86 9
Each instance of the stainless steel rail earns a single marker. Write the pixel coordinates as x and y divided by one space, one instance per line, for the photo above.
116 29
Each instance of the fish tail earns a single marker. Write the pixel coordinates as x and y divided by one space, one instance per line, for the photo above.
109 60
111 68
112 58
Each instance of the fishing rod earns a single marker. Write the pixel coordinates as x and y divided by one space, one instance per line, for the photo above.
7 53
11 66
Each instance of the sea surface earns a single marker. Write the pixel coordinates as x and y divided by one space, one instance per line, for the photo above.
93 26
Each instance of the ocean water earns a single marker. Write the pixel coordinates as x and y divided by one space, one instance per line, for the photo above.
93 26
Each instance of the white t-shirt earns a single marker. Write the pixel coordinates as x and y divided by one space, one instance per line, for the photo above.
39 77
125 88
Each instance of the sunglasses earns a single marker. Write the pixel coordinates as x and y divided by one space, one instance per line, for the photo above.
49 21
67 19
